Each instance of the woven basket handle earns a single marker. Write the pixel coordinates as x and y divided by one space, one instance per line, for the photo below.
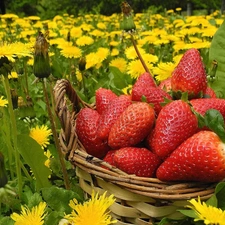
66 112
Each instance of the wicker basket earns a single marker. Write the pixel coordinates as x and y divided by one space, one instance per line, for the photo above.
139 200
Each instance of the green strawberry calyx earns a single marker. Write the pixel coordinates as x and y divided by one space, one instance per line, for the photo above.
214 120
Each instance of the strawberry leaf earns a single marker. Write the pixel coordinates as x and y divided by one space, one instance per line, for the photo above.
214 120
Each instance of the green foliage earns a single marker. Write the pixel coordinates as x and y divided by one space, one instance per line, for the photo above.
48 9
35 158
216 53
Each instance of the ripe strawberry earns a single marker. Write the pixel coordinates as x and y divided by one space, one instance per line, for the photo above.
201 105
111 113
86 128
209 93
103 98
190 75
166 84
175 123
109 158
144 81
153 95
132 126
200 158
138 161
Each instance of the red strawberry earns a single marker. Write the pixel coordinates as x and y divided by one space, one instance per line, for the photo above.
86 128
138 161
153 95
144 81
201 105
200 158
133 125
165 84
190 75
109 158
111 113
209 93
103 98
175 123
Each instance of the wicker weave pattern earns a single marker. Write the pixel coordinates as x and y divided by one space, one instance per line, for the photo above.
140 200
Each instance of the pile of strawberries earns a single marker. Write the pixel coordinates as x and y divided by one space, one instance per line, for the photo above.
153 132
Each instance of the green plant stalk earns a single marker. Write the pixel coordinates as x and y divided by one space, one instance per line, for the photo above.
83 82
26 76
5 131
55 136
139 54
14 133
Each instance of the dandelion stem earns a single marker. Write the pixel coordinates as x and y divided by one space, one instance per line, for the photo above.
7 137
55 136
139 54
14 133
26 79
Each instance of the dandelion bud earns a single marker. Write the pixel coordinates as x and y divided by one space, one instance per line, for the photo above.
5 66
3 177
127 23
14 98
82 64
68 36
41 59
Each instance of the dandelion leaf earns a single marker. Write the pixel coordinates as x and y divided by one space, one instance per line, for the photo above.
217 54
220 194
63 196
34 156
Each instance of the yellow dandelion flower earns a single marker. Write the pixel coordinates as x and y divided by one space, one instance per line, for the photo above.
101 26
161 42
97 33
10 51
170 11
91 60
13 75
48 160
94 212
209 31
115 52
86 27
30 62
33 18
41 135
135 68
150 58
127 90
131 53
3 102
9 16
78 75
207 213
219 21
102 54
178 9
35 216
76 32
150 39
84 40
120 63
114 43
163 70
180 45
71 52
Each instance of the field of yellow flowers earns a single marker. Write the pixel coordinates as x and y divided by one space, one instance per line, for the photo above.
91 51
